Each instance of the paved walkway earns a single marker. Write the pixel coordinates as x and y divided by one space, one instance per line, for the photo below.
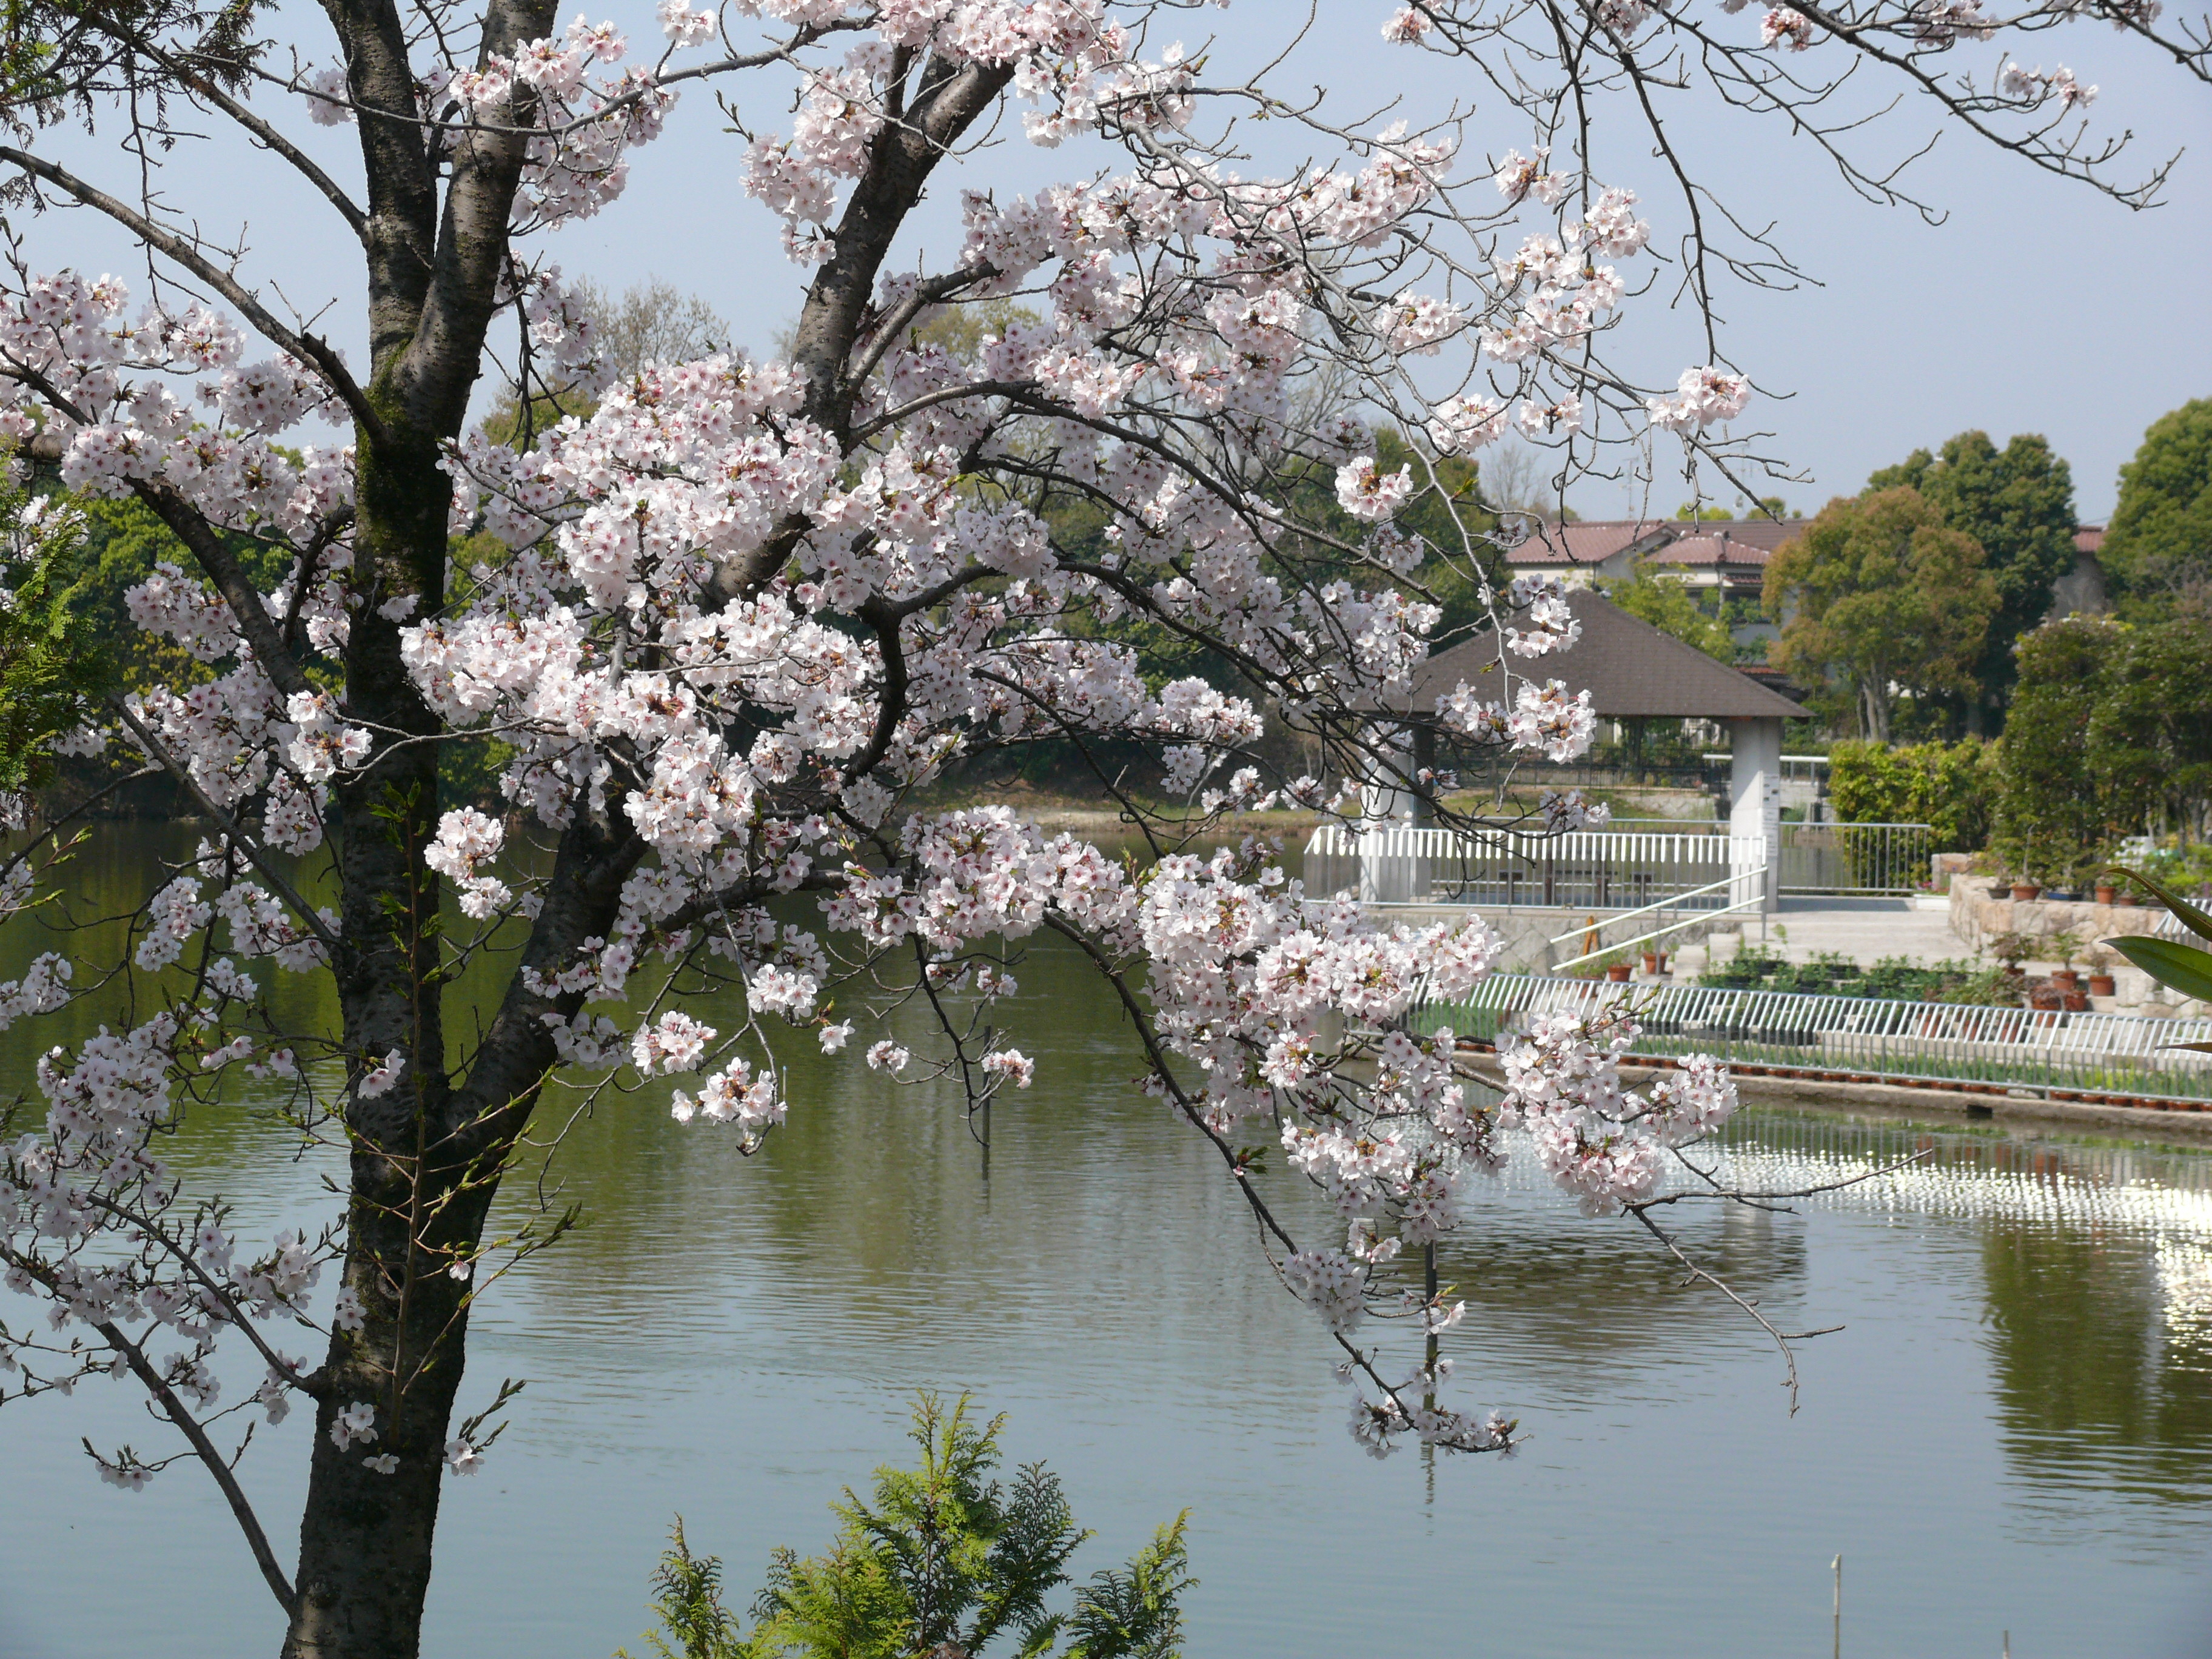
1863 929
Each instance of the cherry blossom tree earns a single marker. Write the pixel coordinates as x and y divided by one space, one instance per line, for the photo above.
747 610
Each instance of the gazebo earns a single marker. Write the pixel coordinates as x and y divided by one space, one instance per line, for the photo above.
1632 672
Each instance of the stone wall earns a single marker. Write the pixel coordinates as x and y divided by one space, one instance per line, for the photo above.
1978 917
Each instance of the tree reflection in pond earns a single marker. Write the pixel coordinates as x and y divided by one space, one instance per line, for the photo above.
2012 1431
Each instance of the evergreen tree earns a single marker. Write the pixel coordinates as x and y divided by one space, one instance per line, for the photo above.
2159 550
2018 502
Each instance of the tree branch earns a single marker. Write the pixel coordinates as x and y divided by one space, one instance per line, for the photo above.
306 347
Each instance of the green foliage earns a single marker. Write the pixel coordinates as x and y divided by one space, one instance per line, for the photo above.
2149 743
2110 735
2182 968
940 1558
2018 503
688 1595
124 541
1892 979
2051 819
1877 594
2158 545
48 673
1951 787
1748 969
1665 600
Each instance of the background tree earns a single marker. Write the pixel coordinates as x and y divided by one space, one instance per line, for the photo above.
1877 597
2149 741
650 322
2018 503
1665 600
2158 548
2053 821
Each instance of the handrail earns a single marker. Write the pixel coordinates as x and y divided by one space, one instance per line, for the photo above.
1645 938
1659 904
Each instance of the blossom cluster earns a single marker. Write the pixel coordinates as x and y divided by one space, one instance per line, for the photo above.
1605 1145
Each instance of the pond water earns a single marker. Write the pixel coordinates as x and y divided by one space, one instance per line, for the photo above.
2012 1432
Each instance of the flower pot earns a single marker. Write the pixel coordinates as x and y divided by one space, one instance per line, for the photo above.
2077 1002
2049 997
2128 898
2065 979
2101 985
2025 891
2107 894
1655 962
1618 973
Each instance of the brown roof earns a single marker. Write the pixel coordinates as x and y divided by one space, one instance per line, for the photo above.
1592 541
2089 538
1765 534
1585 541
1631 669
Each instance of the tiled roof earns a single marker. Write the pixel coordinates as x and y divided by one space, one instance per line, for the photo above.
1592 541
2089 538
1629 667
1765 534
1586 541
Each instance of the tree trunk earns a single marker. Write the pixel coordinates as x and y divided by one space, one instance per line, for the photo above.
366 1537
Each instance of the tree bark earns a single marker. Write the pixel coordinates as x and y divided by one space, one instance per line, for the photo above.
427 1156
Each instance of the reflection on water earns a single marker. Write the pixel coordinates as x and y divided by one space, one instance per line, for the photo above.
2011 1433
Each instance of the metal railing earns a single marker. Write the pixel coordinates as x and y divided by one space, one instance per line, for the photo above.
1864 858
1587 869
1631 864
1703 921
1865 1037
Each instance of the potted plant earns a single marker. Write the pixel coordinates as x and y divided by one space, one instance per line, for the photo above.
1617 970
2062 948
2102 960
2107 892
2024 888
1655 961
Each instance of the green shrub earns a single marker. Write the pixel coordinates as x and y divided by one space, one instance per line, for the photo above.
1952 787
942 1560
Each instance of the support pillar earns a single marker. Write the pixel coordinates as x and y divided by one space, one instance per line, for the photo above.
1755 807
1390 872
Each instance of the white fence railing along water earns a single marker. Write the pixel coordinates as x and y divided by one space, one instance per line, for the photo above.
1605 869
1632 864
1864 1037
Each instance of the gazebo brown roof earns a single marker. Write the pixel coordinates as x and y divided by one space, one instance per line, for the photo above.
1632 669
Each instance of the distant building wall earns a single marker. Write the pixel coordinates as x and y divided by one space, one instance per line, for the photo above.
2080 591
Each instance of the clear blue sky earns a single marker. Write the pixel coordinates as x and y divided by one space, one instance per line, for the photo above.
2037 306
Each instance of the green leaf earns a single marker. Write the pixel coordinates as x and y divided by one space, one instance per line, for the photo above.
2192 918
2182 968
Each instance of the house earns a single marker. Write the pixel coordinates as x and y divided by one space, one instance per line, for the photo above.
1717 560
1726 558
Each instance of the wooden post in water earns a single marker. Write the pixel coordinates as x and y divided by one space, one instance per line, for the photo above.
1838 1564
